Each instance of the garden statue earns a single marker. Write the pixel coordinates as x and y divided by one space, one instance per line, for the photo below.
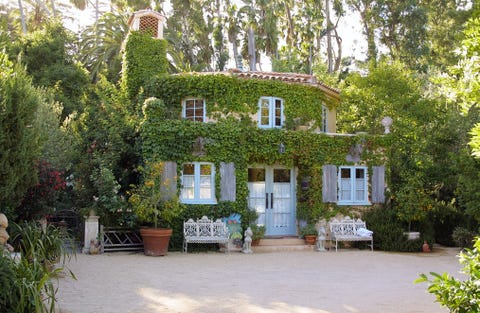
4 246
94 247
321 239
247 244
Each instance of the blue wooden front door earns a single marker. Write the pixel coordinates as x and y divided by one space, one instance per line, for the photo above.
272 196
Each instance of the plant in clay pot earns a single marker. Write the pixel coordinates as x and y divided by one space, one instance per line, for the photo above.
309 233
258 233
154 206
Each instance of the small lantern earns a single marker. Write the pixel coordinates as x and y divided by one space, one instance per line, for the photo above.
281 148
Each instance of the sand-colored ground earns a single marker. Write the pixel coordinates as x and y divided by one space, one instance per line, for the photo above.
347 281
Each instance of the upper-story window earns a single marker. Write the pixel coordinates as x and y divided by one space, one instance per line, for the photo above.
270 112
194 109
352 185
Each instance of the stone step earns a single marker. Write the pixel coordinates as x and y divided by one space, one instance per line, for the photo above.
285 241
282 244
267 249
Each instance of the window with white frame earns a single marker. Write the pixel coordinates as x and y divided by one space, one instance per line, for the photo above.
198 183
353 185
270 112
194 109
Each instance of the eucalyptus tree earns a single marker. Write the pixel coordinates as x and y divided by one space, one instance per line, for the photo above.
188 34
446 20
368 11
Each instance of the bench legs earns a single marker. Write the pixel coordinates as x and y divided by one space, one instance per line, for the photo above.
336 245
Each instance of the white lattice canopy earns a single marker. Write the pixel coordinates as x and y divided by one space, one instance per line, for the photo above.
147 21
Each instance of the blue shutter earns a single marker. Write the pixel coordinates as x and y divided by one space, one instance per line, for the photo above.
228 182
169 179
378 184
329 179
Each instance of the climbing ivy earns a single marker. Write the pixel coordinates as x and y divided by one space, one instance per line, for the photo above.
144 58
235 140
228 95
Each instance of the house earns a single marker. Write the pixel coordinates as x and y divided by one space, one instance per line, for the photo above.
263 141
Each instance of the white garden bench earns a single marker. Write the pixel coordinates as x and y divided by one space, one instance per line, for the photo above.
349 229
204 230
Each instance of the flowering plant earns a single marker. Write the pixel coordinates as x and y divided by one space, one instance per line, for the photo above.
149 199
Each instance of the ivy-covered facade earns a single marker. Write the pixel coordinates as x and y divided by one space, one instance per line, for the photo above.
262 141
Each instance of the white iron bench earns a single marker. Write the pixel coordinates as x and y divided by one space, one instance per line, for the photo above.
204 230
349 229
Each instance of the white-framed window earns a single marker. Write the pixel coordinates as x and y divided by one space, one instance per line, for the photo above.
270 112
198 183
194 109
353 185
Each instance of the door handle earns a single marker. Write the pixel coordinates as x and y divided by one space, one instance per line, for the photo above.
266 200
271 200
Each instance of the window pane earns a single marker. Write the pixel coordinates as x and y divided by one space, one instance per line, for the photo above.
188 193
281 176
360 173
345 173
256 175
205 169
346 189
188 169
194 109
278 112
205 187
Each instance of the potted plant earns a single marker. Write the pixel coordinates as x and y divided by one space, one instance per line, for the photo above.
258 233
152 205
309 233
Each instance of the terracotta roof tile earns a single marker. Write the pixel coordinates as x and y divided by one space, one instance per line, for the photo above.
304 79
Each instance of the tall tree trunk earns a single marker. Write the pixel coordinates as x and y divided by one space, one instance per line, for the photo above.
338 58
329 38
251 49
22 17
52 3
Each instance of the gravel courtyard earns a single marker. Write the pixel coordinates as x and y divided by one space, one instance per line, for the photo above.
347 281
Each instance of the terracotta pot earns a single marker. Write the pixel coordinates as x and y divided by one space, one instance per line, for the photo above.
310 239
155 240
425 247
255 242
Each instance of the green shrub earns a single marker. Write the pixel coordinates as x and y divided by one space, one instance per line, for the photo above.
459 296
445 218
388 231
463 237
7 281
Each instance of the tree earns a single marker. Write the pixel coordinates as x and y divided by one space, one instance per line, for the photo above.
391 90
20 147
188 35
106 158
58 69
101 44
